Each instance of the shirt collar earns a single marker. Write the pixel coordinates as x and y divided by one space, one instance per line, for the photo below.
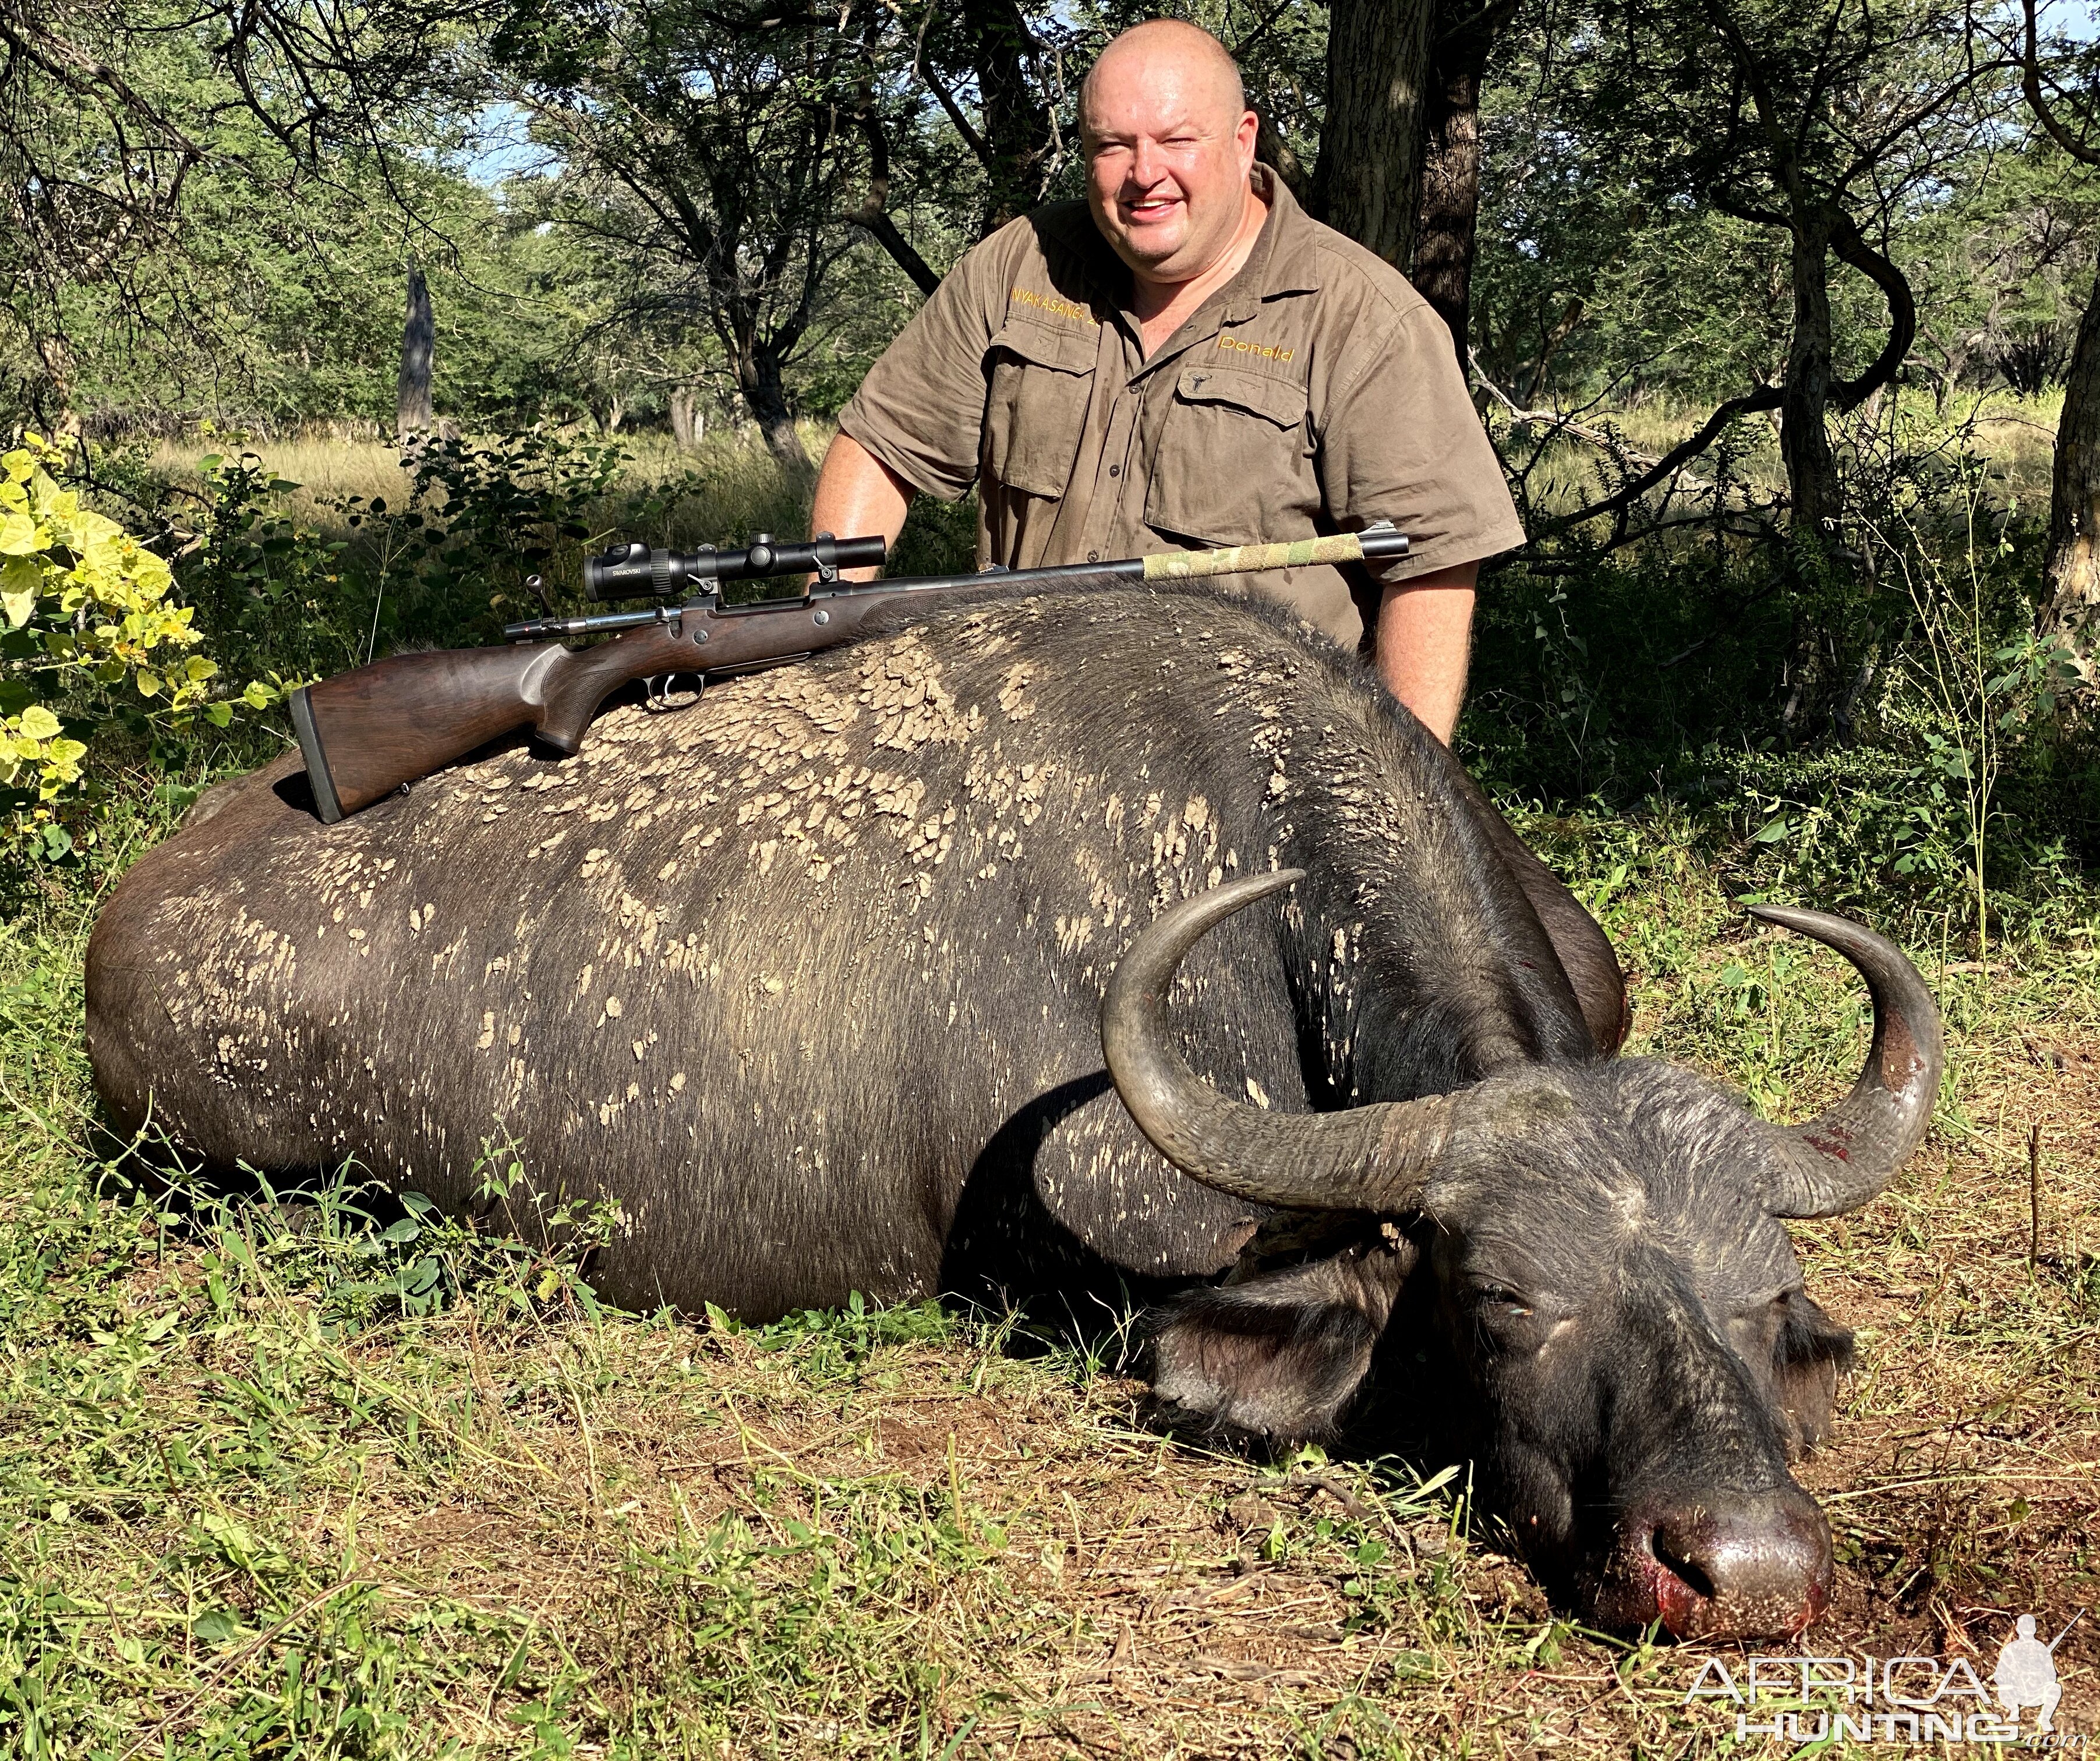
1283 260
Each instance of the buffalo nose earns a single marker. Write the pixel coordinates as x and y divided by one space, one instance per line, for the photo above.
1740 1565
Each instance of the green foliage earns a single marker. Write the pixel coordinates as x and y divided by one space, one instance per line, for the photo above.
493 512
1881 733
94 635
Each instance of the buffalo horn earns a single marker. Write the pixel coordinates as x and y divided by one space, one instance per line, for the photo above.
1842 1158
1374 1158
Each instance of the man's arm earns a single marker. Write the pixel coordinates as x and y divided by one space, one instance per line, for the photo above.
1424 635
858 496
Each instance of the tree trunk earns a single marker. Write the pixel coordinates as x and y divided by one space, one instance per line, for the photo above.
1368 183
51 397
412 394
1017 122
2073 570
687 424
1804 444
1272 150
1448 212
758 377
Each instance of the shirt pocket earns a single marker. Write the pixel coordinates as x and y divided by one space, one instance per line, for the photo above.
1234 463
1042 383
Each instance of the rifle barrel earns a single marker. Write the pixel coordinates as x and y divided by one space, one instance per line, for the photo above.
366 733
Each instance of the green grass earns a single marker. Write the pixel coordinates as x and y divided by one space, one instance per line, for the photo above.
311 1474
321 1473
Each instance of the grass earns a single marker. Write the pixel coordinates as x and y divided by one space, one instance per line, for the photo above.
320 1473
2014 435
315 1475
738 474
745 492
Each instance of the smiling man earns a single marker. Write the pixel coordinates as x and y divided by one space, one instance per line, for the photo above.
1186 359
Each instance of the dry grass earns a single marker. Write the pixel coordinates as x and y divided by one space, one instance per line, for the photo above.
729 480
249 1506
2014 436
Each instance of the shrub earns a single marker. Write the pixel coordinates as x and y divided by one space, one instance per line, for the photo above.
96 636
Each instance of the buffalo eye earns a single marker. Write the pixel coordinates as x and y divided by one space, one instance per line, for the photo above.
1494 1297
1503 1315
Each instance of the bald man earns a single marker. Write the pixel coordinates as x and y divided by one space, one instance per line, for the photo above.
1183 360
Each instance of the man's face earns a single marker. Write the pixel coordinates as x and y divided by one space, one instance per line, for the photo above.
1167 156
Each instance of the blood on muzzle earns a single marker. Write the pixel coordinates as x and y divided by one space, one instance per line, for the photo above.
1740 1566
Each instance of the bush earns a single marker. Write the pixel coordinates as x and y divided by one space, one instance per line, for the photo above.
1875 730
97 641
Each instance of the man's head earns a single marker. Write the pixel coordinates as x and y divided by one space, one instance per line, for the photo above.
1169 142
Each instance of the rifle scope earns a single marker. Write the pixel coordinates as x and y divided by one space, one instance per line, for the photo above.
635 571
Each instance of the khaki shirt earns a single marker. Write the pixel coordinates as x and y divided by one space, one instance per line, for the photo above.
1316 392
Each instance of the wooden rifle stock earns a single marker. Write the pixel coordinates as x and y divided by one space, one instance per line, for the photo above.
364 734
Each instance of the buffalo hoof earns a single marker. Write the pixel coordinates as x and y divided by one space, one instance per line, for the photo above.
1750 1566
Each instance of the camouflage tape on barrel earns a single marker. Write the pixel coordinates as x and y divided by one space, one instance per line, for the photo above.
1183 565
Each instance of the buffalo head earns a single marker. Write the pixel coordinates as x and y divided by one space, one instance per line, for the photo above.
1601 1250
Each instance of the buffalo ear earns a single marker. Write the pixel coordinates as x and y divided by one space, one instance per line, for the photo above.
1275 1360
1810 1353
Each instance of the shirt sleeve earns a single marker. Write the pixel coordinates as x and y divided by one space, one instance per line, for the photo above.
1402 442
920 409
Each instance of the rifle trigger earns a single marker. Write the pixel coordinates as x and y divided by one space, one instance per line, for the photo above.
656 692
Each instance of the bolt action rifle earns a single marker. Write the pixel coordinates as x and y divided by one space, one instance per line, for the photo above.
367 733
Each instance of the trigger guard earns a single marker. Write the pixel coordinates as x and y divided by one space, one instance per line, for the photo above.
656 692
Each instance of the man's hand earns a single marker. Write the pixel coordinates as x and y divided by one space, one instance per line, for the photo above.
859 497
1424 635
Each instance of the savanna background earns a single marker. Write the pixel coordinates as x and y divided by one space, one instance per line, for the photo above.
330 328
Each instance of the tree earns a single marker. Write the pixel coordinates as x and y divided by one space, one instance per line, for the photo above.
2072 570
708 156
1017 142
109 113
1447 209
1818 121
1368 181
411 398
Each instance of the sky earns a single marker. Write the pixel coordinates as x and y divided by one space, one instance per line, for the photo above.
502 148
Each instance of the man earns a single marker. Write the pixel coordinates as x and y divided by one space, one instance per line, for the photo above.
1185 360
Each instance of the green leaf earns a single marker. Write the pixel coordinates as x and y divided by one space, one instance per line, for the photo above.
215 1625
21 578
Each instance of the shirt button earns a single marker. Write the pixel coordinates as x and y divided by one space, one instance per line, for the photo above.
1115 471
1093 556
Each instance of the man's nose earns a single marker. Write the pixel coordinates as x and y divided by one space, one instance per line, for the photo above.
1144 166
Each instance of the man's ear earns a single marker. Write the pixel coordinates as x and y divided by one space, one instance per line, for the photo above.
1274 1360
1809 1356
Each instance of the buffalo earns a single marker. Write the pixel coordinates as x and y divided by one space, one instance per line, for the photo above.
829 981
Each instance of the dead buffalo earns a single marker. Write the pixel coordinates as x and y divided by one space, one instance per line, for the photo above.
811 978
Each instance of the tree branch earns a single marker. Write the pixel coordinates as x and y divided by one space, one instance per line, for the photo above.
872 215
1852 249
1764 398
2083 151
971 139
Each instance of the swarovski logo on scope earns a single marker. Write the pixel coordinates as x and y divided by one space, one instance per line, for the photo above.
635 571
